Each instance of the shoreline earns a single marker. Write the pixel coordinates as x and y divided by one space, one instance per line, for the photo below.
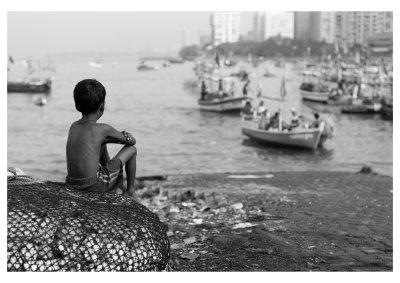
275 221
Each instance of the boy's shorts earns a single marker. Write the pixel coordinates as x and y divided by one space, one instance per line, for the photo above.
99 182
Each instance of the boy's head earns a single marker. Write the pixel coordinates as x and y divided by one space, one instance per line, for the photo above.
89 96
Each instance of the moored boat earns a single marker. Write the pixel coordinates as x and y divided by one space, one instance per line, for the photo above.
30 86
360 106
228 104
313 89
301 138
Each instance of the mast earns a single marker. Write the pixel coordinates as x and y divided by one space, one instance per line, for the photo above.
283 94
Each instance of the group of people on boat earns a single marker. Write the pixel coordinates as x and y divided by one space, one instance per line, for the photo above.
262 116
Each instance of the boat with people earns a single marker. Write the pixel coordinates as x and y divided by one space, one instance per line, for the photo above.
302 138
276 132
32 85
218 94
313 89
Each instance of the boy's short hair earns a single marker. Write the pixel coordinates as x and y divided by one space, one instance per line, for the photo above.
89 94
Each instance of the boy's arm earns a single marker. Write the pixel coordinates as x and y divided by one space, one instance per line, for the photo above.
114 136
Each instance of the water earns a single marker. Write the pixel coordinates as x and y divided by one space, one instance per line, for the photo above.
172 135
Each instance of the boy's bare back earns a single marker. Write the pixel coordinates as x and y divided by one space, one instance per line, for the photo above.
83 149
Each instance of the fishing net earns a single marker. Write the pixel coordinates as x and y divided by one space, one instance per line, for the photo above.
53 228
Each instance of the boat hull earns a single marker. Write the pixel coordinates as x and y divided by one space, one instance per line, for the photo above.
27 87
223 105
301 139
361 109
322 97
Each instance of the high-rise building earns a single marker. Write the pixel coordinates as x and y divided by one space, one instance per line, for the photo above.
185 37
258 27
277 23
225 27
302 25
268 24
322 26
318 26
357 27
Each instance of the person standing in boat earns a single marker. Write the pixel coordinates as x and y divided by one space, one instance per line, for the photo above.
203 90
246 88
232 89
264 122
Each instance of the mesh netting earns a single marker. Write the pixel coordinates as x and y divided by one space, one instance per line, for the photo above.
53 228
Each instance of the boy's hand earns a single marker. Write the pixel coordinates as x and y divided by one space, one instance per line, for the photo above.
127 135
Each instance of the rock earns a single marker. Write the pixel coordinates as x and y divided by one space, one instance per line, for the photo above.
238 205
190 240
190 256
243 225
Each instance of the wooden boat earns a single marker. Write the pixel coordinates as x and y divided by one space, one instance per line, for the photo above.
30 86
228 104
312 89
305 138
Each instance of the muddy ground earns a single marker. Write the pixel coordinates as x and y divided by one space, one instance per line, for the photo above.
278 221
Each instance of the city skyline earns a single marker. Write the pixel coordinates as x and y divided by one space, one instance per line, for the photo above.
140 32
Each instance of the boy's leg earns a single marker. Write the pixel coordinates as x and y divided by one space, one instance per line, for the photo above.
127 155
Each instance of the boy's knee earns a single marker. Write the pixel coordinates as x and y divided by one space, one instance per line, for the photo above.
132 149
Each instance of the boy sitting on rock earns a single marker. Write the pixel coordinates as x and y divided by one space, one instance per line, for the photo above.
88 163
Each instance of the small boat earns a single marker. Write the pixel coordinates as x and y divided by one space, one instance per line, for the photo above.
145 67
228 104
40 101
176 60
305 138
30 86
95 64
268 74
298 137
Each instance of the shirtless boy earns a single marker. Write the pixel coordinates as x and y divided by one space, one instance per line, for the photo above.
88 163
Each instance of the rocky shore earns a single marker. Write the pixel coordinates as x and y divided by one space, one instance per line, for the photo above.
277 221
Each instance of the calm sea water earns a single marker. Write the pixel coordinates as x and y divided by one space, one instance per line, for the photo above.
172 135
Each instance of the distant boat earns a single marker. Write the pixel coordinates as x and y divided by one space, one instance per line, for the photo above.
143 66
95 64
268 74
30 86
307 138
40 101
176 60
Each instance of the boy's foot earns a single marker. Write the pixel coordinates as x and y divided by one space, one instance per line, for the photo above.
132 195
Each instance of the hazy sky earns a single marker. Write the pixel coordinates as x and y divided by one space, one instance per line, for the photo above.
41 33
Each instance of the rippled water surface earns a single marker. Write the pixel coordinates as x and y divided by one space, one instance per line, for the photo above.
173 136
